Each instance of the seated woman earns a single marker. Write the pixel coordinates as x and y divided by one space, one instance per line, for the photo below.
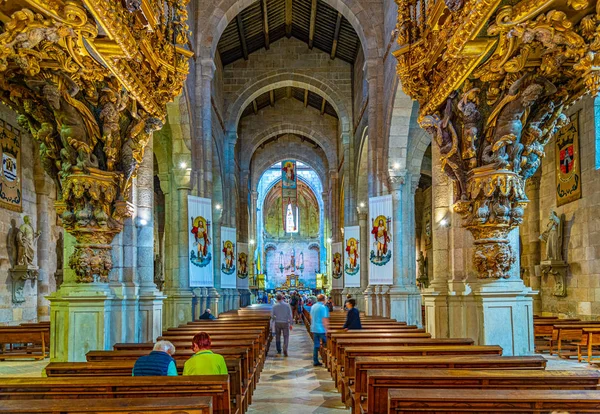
204 361
353 316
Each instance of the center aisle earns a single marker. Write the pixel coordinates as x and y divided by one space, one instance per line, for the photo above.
292 384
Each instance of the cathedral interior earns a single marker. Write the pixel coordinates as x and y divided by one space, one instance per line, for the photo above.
436 160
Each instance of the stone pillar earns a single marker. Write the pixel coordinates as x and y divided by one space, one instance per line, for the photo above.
532 251
370 302
435 297
150 298
178 304
43 186
405 298
364 253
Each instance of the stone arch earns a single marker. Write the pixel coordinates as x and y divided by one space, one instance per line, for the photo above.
212 24
260 162
418 142
403 115
287 128
275 80
362 184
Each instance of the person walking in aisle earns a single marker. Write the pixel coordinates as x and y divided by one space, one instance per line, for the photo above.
353 316
319 315
281 314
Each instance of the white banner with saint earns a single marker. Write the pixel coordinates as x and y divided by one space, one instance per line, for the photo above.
381 259
228 258
243 266
351 257
337 266
200 241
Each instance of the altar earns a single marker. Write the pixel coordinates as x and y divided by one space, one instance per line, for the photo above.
292 282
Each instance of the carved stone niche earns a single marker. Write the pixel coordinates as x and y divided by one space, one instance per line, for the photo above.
19 275
558 269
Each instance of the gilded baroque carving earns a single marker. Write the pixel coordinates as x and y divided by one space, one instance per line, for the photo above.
90 80
492 94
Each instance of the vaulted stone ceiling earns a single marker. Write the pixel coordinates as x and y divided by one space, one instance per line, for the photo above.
311 21
305 96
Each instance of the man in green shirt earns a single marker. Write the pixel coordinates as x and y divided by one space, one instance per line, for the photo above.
204 361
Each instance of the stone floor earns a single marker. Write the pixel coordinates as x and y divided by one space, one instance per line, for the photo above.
292 385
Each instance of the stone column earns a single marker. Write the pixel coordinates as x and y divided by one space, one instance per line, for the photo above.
405 298
150 298
435 297
364 253
532 251
43 187
178 304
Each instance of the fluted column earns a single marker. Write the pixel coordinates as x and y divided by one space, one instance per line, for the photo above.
43 186
532 254
364 253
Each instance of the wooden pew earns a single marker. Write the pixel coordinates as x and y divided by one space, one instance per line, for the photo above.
416 400
238 392
542 331
589 340
489 362
11 335
379 382
179 405
215 386
570 333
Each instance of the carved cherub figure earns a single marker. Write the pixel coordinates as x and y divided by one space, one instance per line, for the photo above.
471 119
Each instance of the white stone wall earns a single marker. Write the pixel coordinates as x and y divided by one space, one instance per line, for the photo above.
13 314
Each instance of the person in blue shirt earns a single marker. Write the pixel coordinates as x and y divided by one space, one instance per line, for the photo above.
319 315
207 315
159 362
353 316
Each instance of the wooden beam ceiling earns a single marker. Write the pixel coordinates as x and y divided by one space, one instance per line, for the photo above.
242 35
288 18
266 23
304 96
336 35
313 23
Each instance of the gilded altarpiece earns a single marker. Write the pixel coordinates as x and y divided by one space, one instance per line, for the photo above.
10 177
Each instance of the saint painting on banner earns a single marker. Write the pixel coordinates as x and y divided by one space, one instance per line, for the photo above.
200 241
352 257
228 258
381 262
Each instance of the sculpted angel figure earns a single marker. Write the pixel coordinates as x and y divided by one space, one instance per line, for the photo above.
447 140
552 235
471 119
508 119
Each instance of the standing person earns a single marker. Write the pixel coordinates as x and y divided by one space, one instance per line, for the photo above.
329 304
348 297
353 316
294 306
158 362
281 314
204 361
319 315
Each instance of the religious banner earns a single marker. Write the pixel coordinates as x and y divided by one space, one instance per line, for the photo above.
10 176
200 241
243 266
381 260
228 258
568 162
351 258
337 266
289 192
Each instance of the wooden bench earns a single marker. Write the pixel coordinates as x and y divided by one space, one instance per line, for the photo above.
362 365
542 331
188 405
379 382
571 333
414 400
215 386
238 392
12 335
589 340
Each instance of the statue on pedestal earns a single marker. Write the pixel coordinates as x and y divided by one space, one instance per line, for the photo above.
554 263
23 269
423 277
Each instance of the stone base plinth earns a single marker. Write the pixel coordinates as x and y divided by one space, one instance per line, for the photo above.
151 315
435 300
405 304
177 307
369 300
80 321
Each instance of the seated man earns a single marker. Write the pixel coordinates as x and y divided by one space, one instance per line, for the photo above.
353 316
207 315
204 361
158 362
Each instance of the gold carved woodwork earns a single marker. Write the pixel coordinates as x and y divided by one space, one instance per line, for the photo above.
90 80
493 82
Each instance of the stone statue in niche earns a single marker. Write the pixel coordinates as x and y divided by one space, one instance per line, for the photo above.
554 263
23 269
553 237
423 277
26 240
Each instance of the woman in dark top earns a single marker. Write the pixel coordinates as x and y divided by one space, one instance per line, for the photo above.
353 316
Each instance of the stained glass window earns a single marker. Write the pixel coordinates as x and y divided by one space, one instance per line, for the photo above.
290 226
